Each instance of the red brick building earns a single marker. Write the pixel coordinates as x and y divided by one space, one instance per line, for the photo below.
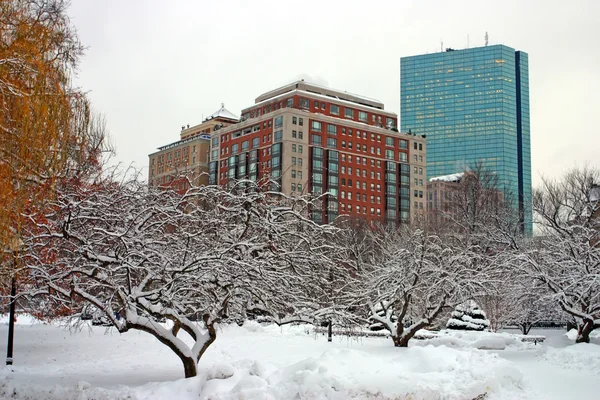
312 139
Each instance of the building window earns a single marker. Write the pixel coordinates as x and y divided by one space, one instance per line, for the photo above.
333 109
294 134
331 143
421 146
299 148
403 157
293 160
316 103
278 135
362 116
299 174
294 121
343 144
331 129
304 103
316 126
290 103
403 144
300 161
348 112
300 121
390 122
256 142
300 135
415 145
316 139
299 188
279 122
293 187
293 148
389 154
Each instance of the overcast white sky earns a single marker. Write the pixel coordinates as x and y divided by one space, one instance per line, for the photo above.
153 66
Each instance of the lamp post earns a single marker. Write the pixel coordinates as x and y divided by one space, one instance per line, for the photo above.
11 320
15 244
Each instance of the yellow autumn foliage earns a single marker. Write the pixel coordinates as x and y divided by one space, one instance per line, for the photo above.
42 117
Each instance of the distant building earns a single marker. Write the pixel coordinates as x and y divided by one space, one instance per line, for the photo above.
312 139
450 198
189 155
473 106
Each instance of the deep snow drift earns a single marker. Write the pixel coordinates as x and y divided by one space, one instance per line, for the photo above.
266 362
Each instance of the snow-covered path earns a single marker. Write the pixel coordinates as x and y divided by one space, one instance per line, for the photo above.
257 362
552 374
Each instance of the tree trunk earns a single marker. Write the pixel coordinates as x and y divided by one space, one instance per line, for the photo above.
401 341
525 328
401 337
190 367
583 331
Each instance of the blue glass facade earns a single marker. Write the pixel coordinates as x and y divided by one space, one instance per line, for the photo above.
473 106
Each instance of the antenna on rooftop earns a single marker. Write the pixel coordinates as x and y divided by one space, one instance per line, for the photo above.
487 38
441 44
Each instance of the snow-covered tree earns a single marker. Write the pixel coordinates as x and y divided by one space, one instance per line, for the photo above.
468 316
142 256
566 255
412 277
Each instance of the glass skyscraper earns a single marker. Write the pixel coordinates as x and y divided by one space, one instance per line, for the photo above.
473 107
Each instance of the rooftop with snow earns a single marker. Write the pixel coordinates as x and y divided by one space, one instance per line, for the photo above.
448 178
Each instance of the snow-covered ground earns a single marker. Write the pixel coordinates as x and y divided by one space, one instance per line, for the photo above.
268 362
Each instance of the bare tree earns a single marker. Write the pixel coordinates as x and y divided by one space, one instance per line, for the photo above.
141 256
566 255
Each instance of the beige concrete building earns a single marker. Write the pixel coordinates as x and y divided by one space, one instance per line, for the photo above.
189 155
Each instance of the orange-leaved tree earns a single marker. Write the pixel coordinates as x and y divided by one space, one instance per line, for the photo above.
48 136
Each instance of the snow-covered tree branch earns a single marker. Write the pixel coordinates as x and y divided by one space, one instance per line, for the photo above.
413 277
566 256
143 255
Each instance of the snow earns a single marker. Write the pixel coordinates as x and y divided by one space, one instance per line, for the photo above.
448 178
223 113
269 362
